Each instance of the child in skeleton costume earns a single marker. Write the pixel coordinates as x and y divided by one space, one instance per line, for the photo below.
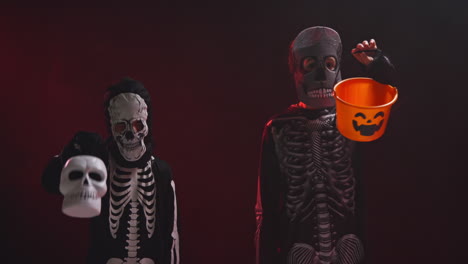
138 219
306 202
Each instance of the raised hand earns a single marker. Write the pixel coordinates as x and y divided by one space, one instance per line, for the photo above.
365 51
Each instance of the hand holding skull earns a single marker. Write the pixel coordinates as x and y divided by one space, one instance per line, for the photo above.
365 51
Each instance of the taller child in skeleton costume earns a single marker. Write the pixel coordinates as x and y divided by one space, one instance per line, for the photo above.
306 210
138 219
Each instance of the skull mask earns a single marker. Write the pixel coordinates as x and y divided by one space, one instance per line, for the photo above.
128 114
83 183
315 58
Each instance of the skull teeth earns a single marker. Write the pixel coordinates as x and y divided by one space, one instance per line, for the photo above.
132 146
320 93
83 196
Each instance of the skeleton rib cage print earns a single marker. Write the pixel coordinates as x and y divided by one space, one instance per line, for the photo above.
307 180
133 194
134 186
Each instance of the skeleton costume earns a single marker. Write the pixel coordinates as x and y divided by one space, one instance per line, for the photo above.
138 219
306 207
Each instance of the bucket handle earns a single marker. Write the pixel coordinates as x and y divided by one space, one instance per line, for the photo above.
378 51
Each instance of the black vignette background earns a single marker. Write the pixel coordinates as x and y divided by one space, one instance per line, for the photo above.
216 73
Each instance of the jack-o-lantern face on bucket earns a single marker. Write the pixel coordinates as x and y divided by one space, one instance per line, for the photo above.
363 108
368 126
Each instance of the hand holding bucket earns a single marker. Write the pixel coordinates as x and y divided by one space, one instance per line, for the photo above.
363 108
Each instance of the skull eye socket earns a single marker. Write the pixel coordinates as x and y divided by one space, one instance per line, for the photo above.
120 127
138 125
309 64
330 62
75 175
95 176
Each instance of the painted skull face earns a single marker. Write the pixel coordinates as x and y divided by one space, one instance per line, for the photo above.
128 114
367 127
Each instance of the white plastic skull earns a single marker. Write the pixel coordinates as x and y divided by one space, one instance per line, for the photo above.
128 114
83 183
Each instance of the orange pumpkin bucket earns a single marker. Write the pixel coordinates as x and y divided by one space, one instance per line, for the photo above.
363 108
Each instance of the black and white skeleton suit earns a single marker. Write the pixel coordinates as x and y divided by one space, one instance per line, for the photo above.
138 219
306 202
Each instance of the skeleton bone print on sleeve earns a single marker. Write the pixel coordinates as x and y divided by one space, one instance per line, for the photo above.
315 160
135 187
175 257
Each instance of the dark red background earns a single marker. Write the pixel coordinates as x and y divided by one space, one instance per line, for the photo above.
216 74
